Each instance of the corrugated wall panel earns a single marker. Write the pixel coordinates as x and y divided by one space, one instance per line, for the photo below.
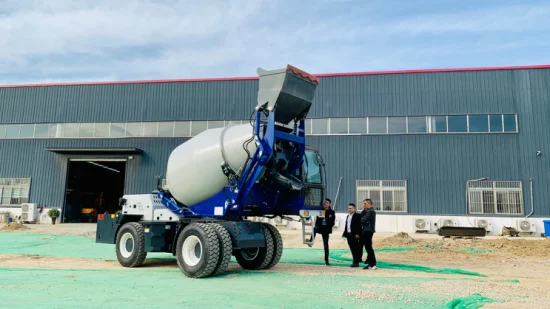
344 96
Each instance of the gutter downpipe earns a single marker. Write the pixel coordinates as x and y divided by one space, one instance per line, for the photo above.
532 204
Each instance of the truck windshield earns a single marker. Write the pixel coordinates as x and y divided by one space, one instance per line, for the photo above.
312 167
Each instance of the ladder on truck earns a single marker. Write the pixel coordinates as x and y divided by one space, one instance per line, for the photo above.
308 229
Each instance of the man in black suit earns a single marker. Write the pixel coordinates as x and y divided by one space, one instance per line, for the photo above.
352 232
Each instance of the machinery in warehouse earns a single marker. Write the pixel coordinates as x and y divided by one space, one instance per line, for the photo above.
222 176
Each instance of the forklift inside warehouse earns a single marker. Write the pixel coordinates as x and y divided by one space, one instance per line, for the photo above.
93 186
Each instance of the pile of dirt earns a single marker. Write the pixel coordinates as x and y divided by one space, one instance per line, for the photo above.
400 240
508 246
14 226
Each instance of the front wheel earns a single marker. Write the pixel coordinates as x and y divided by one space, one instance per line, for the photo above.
130 245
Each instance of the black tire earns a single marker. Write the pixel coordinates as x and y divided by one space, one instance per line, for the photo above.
202 264
226 248
256 258
130 245
278 245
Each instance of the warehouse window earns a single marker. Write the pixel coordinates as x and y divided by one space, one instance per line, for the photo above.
339 126
501 123
358 126
478 123
14 191
495 197
417 125
397 125
386 195
437 124
377 125
457 124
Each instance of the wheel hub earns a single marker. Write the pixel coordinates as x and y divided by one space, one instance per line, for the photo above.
192 250
250 254
126 245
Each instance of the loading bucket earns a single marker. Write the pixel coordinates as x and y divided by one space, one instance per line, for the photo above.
290 91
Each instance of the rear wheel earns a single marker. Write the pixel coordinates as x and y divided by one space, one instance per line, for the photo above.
256 258
277 243
130 245
198 250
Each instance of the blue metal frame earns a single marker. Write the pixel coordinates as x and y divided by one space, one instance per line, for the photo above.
235 194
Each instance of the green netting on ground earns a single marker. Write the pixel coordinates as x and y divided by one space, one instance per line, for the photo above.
340 258
475 250
470 302
134 288
80 247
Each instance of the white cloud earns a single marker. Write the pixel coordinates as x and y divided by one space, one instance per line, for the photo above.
63 40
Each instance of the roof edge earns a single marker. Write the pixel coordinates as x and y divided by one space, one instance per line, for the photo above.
160 81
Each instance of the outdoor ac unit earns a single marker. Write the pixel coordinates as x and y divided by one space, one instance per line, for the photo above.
447 222
422 225
484 223
28 212
525 226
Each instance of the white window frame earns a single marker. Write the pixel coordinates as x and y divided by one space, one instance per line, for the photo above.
367 186
11 184
477 191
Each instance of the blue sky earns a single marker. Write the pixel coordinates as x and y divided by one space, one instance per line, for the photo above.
71 41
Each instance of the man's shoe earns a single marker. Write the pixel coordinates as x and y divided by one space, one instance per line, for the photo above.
370 267
327 264
354 265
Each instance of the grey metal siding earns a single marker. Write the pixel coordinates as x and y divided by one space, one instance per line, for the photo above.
436 166
349 96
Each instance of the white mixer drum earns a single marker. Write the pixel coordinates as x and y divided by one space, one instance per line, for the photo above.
194 171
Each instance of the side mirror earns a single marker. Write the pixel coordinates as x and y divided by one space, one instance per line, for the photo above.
121 201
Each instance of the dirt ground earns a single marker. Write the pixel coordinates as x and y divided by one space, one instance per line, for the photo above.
517 271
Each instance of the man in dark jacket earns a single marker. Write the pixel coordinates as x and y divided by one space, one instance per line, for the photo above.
352 232
368 222
324 225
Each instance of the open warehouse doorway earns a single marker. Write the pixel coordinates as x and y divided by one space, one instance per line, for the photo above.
93 187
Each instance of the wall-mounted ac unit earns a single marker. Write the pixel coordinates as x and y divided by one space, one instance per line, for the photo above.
484 223
422 225
447 222
28 212
525 226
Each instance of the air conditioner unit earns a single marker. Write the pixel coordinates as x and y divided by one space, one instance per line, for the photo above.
484 223
525 226
447 222
422 225
28 212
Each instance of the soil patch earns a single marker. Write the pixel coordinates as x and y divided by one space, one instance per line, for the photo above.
14 226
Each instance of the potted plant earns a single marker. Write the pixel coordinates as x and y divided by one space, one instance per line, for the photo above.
54 214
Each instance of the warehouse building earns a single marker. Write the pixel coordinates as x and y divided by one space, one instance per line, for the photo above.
415 142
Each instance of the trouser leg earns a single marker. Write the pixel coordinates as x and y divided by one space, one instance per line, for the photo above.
367 241
325 245
355 248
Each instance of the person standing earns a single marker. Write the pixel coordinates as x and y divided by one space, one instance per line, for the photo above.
352 232
368 223
324 225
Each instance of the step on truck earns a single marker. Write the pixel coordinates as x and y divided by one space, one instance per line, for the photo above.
220 178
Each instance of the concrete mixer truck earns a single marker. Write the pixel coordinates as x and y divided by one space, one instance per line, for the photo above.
220 178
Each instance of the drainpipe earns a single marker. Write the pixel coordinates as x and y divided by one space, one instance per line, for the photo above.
532 204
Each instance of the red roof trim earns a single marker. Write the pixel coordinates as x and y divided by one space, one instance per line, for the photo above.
544 66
